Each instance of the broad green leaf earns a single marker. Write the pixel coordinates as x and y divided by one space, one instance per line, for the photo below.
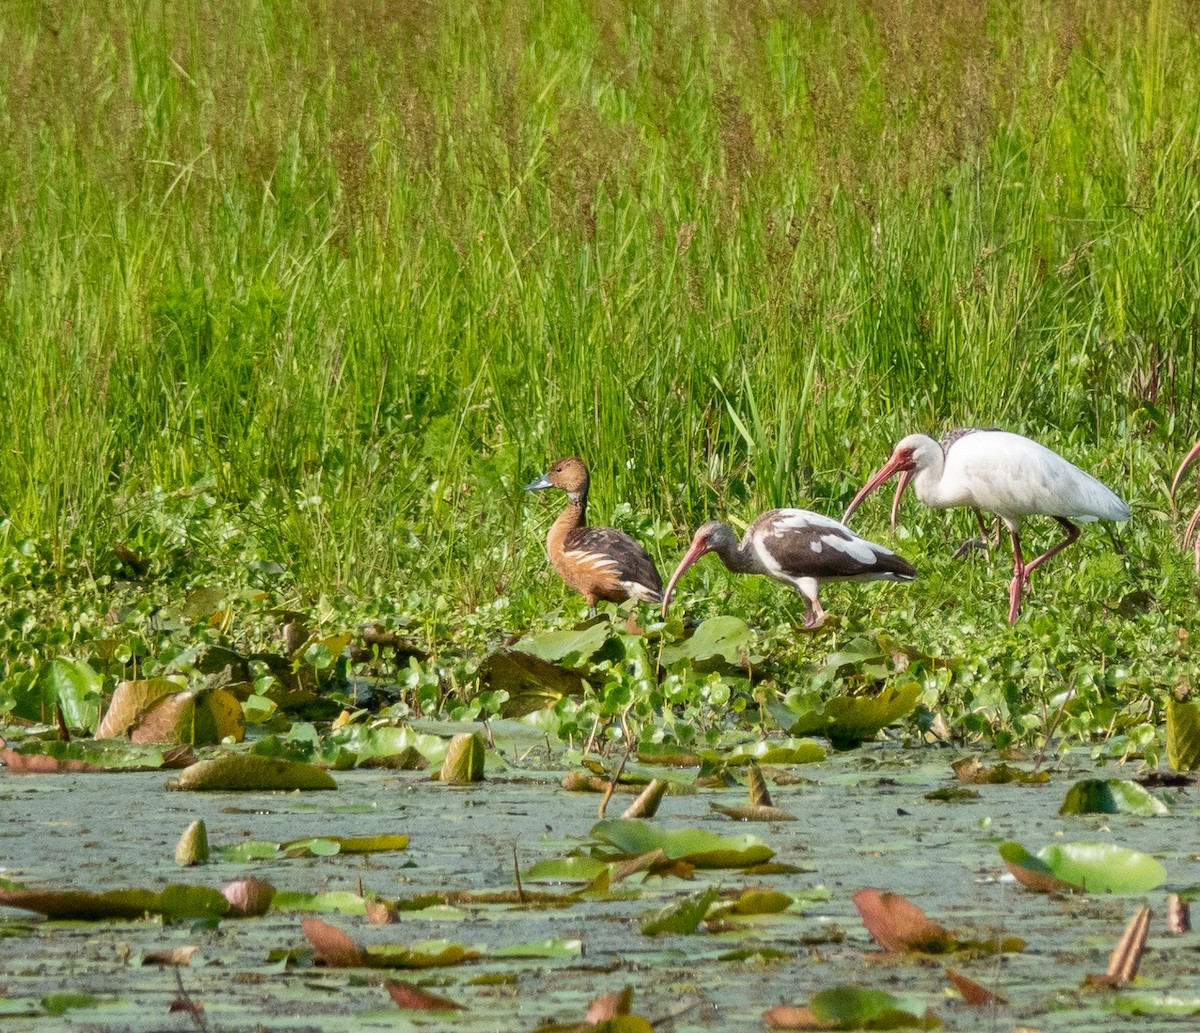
1091 867
552 948
249 772
60 1004
1112 796
565 869
855 1007
426 954
760 902
74 688
369 742
1183 735
341 901
725 637
107 755
848 720
779 751
173 902
682 917
1155 1004
700 847
570 647
321 846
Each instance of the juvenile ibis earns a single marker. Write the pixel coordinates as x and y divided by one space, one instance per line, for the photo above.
1005 474
598 562
799 548
1193 525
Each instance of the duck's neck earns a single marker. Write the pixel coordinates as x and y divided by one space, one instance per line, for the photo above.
573 516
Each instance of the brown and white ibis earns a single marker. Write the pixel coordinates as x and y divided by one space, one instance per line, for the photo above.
1005 474
1190 532
799 548
598 562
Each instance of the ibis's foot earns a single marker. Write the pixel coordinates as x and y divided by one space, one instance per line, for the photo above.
970 545
814 617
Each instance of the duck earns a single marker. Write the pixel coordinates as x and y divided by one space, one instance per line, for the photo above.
600 563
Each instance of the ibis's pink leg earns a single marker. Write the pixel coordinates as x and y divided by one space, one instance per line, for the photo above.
1014 589
1190 532
1072 535
814 616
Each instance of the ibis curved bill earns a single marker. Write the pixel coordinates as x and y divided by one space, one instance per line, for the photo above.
1002 473
798 548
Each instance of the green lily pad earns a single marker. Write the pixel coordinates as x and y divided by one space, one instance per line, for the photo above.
1183 735
1154 1004
682 917
848 720
321 846
565 869
374 744
780 751
173 902
555 947
85 755
726 638
856 1007
340 901
568 648
248 772
1112 796
633 837
1091 867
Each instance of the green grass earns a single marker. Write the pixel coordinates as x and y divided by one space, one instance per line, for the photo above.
299 295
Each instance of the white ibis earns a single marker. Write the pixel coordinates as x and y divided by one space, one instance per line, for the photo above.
947 440
799 548
1005 474
598 562
1189 533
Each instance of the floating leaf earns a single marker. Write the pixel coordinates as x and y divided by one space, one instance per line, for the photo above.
552 948
565 869
174 902
1183 735
1091 867
646 805
247 772
848 720
852 1007
87 756
73 687
778 751
570 647
333 947
753 812
1112 796
696 846
727 638
682 917
60 1004
341 901
320 846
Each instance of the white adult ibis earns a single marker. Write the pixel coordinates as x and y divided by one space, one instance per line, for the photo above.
1005 474
598 562
1193 525
799 548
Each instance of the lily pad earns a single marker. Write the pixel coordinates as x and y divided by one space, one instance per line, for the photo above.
853 1007
682 917
848 720
247 772
174 902
726 638
87 755
779 751
699 847
321 846
568 648
1091 867
1112 796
